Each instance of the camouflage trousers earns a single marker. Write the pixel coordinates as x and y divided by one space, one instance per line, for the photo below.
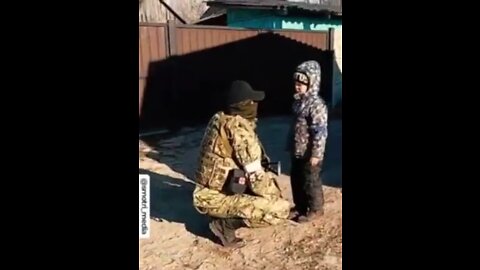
256 211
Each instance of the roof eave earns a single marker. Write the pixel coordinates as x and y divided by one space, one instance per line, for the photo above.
291 5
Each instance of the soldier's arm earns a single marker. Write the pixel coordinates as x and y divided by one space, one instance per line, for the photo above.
248 153
318 129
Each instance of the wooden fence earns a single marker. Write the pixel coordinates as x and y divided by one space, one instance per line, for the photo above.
186 66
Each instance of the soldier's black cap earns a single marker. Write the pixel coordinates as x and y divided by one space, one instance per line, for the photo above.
241 91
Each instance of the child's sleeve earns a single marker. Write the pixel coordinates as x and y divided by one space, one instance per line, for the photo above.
318 128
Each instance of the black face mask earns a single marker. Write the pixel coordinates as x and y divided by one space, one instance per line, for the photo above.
246 109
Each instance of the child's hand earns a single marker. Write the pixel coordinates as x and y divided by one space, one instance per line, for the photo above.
314 161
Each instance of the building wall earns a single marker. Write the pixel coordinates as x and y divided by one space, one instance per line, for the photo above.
266 19
154 11
262 19
337 68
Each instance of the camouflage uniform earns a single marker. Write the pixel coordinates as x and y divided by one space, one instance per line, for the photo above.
230 142
308 140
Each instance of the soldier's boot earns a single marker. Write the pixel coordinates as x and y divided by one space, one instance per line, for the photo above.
224 229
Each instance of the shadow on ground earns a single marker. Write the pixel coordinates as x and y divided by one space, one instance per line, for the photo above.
180 150
171 200
332 167
273 135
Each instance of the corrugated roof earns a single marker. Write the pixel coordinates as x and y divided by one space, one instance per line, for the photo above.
213 12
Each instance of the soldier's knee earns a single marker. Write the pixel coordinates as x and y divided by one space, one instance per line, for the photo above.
284 204
270 175
281 208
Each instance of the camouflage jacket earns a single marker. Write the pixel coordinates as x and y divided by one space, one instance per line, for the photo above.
310 117
229 142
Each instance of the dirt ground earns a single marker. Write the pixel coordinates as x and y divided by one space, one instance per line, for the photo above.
180 238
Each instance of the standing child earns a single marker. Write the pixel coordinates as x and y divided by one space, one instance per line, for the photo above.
308 142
